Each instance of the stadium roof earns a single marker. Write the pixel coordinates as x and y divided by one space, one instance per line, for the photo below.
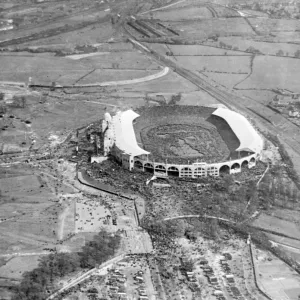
124 133
249 139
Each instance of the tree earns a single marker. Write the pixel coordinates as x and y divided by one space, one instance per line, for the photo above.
297 54
280 53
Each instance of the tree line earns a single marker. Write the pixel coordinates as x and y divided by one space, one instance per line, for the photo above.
40 282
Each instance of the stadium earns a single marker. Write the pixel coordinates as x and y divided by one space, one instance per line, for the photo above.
182 141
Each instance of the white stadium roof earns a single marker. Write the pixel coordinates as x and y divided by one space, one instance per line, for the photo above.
249 139
124 133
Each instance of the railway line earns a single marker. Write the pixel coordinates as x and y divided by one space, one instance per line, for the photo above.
286 130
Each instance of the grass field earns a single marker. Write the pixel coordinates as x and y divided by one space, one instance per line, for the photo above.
272 73
15 267
45 68
271 48
182 13
227 80
226 64
278 225
171 83
276 278
209 27
193 50
113 75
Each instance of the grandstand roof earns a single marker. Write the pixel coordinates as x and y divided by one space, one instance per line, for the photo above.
249 139
124 135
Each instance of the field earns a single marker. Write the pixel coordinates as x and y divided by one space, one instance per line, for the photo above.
272 73
275 26
209 27
222 64
183 13
226 80
15 267
194 50
276 278
45 68
279 225
268 48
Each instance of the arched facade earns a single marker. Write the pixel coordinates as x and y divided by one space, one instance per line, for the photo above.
120 141
198 169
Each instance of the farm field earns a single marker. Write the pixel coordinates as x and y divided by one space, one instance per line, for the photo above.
225 79
268 48
210 27
44 68
94 34
194 50
99 76
276 278
272 73
171 83
182 13
282 226
268 25
230 64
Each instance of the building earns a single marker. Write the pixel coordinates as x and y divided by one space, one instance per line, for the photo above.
120 141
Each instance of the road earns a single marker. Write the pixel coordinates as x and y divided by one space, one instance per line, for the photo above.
198 216
87 275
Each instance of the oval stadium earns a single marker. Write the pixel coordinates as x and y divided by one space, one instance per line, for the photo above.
182 141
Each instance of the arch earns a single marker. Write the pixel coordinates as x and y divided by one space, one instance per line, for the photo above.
138 164
186 172
148 168
225 169
200 172
235 166
213 171
173 171
252 160
160 168
245 164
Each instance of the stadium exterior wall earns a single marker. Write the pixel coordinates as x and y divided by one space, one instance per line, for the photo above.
197 169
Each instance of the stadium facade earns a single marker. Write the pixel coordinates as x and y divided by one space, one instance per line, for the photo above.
120 141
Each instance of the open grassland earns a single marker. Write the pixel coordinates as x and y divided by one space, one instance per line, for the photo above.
279 225
171 83
29 213
182 13
113 75
46 68
268 25
222 64
226 79
275 277
210 27
15 267
272 73
193 50
268 48
97 33
128 59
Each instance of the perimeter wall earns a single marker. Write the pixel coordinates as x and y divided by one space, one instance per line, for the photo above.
197 169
